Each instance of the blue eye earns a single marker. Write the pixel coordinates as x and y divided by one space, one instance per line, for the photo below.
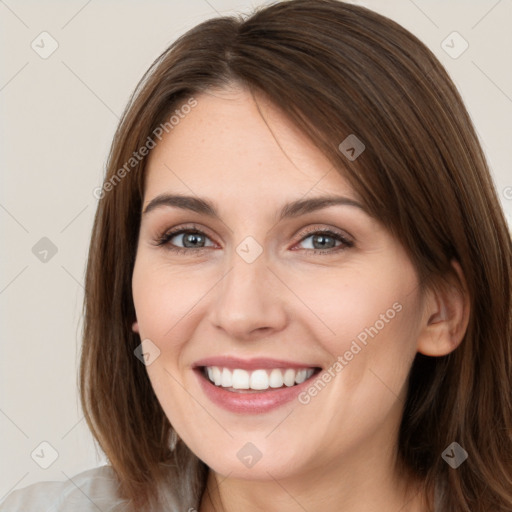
194 240
190 235
325 241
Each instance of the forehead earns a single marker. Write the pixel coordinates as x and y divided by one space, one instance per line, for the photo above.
233 143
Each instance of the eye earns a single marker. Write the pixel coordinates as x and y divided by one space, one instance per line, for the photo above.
324 241
191 237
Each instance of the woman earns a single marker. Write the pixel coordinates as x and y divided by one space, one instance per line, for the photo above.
298 291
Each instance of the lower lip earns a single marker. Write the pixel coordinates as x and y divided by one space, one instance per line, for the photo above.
250 403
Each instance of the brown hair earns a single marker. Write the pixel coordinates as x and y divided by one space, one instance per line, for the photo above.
334 69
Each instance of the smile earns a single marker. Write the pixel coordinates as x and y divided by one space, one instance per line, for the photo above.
252 386
257 380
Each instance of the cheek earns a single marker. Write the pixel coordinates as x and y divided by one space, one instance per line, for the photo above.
373 324
350 304
164 299
163 296
368 324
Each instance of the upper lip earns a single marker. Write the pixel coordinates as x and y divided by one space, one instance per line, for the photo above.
250 364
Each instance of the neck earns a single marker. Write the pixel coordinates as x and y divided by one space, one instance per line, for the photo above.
322 489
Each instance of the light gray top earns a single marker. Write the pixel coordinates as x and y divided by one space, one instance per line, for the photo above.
89 491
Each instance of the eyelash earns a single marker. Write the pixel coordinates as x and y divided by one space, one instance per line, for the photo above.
163 240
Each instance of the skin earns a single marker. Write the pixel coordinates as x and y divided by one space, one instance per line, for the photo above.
289 304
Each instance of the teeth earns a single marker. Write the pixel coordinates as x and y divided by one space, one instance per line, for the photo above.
241 379
289 377
300 377
227 378
276 378
217 376
257 379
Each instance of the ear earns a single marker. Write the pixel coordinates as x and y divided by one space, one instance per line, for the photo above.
135 327
446 316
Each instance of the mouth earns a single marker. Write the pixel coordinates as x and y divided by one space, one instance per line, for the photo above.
239 380
252 386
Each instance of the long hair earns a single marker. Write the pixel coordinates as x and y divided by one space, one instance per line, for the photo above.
335 70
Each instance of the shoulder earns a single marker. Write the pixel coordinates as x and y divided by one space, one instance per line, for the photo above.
91 490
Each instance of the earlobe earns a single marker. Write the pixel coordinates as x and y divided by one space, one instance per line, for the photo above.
135 327
447 316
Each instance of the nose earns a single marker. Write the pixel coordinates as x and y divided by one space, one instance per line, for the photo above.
249 301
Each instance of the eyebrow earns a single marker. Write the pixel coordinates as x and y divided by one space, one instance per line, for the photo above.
289 210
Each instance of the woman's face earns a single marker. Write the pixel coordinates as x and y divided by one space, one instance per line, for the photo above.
259 293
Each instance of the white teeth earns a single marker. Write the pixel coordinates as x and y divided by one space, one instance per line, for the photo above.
303 375
227 379
217 375
276 378
240 379
300 377
257 379
289 377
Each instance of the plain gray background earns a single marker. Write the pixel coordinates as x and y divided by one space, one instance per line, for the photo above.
58 117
